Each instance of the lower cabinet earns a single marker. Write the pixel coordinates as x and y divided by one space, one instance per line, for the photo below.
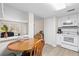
59 38
70 47
3 48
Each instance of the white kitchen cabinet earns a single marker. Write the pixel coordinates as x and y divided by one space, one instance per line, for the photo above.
59 38
78 20
69 20
3 48
62 20
73 19
74 48
59 22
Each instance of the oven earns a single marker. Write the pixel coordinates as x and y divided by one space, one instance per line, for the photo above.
70 39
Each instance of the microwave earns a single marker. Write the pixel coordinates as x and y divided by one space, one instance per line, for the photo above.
69 23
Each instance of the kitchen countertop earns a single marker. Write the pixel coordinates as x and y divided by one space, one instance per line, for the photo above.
13 38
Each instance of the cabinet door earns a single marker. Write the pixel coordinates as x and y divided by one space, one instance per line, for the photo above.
3 48
78 19
70 20
73 19
60 21
1 15
59 39
64 20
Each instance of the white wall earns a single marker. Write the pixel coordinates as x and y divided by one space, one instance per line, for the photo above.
38 24
50 27
13 14
14 18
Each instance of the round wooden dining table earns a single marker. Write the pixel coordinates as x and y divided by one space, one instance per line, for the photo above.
21 45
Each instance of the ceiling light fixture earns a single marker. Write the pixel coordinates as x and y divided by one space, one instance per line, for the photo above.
58 6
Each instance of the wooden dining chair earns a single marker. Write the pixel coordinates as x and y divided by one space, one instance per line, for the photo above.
38 48
39 35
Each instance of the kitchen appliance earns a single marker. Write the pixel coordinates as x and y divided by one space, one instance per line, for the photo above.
59 31
70 38
10 34
71 20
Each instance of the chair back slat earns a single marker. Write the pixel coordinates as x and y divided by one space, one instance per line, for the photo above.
38 47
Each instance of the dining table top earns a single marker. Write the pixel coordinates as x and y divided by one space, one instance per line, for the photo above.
22 45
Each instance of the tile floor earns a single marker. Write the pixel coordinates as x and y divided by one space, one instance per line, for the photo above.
58 51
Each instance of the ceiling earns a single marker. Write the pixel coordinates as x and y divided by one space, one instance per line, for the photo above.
44 9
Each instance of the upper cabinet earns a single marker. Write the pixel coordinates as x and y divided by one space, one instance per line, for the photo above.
1 15
70 20
60 20
78 20
73 20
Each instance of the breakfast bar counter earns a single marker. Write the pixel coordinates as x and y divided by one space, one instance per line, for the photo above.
13 38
